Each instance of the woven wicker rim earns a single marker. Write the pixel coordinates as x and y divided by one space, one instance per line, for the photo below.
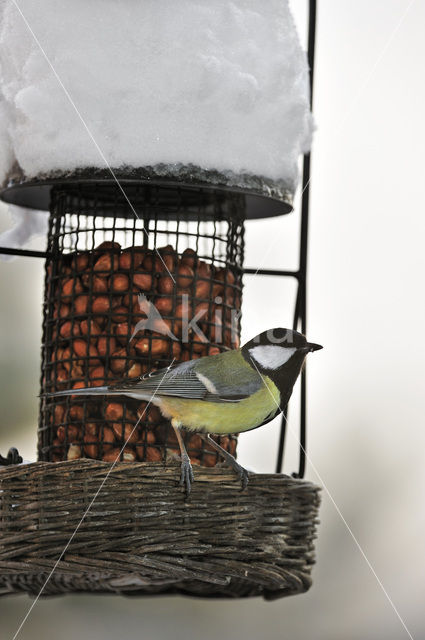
141 536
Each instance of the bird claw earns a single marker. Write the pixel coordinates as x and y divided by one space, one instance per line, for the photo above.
186 475
244 477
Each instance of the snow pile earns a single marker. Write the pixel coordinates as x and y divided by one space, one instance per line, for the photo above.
219 84
26 224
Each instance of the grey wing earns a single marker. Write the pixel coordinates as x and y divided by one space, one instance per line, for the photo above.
185 381
178 380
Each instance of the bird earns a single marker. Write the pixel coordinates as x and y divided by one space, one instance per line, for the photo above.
226 393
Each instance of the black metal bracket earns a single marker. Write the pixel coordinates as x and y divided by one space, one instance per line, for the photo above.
300 312
11 251
13 457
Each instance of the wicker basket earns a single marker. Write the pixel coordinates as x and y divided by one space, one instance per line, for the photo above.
140 536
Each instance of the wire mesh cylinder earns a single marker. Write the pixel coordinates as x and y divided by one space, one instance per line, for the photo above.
131 288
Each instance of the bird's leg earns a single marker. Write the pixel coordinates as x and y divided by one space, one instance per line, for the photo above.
242 473
186 477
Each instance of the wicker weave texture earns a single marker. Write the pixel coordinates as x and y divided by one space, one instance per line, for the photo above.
141 536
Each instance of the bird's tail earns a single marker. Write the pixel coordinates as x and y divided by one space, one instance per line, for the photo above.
87 391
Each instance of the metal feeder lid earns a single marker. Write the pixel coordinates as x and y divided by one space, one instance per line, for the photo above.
264 198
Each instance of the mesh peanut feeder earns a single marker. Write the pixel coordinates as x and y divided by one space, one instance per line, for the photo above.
125 295
129 260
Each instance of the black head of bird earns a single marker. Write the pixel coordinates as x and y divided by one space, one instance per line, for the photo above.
279 354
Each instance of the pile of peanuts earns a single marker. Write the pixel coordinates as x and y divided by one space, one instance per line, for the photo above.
91 339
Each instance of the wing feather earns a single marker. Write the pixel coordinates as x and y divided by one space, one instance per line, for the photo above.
181 380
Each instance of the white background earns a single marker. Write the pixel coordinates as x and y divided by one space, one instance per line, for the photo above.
366 391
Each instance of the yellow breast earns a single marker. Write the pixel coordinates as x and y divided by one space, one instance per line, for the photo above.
226 417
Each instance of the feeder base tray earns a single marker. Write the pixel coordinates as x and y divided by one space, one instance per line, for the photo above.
139 535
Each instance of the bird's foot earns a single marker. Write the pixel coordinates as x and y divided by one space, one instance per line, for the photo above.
186 475
242 473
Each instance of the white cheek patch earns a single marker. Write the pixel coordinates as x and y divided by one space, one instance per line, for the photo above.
271 356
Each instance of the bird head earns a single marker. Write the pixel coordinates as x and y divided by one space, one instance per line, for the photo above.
277 350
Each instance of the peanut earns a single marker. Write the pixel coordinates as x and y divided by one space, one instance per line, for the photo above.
58 413
224 442
213 351
105 344
132 299
209 459
92 429
76 371
153 415
189 258
143 281
107 245
69 328
95 283
118 361
153 263
217 291
164 305
113 455
184 276
150 437
71 287
225 275
63 311
153 454
202 289
169 255
100 304
57 444
183 310
165 284
108 438
80 261
199 345
81 303
176 349
84 349
119 282
90 327
135 370
156 345
123 332
114 411
195 442
70 432
107 263
77 385
203 269
61 376
90 449
120 314
132 257
97 376
76 412
65 358
125 432
74 452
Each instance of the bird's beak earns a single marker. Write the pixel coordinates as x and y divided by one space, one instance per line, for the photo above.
313 347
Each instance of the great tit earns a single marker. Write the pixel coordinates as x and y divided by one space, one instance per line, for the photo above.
226 393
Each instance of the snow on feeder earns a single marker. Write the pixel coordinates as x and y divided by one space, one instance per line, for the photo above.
207 138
